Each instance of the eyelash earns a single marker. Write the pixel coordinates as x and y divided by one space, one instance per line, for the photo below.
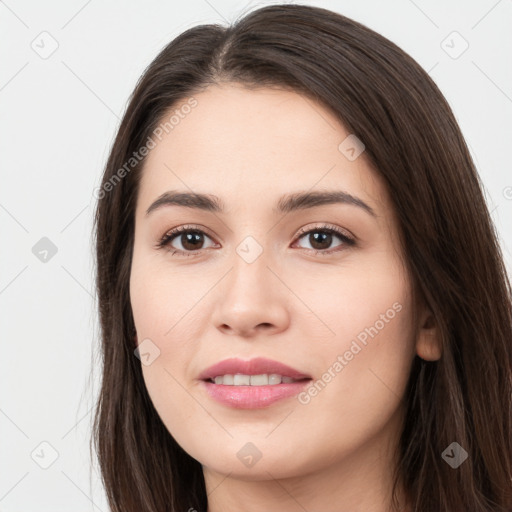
326 228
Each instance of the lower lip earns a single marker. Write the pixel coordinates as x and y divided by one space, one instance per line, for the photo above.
253 397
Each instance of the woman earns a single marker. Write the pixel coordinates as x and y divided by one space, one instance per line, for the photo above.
302 297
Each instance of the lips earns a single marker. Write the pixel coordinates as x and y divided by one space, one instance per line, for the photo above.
256 366
229 384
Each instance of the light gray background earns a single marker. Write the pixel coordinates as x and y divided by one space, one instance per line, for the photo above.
59 114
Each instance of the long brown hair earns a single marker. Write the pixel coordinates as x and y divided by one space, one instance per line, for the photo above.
413 141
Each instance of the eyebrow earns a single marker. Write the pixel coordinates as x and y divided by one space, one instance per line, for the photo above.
292 202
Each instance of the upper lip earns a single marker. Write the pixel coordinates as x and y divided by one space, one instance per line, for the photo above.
256 366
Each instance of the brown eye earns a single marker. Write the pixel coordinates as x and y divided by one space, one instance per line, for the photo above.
189 239
321 239
192 240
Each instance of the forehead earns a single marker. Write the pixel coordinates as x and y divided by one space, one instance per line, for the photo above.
258 122
254 141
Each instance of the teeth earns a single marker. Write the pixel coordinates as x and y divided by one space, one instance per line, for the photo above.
274 379
252 380
259 380
228 379
242 380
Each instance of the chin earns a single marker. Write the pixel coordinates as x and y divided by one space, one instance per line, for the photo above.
246 463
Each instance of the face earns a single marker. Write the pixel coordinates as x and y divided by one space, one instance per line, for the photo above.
320 288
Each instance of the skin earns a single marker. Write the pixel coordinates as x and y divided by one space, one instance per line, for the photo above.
250 147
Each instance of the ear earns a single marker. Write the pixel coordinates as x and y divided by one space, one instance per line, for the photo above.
428 344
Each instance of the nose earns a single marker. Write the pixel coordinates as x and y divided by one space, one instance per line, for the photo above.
251 300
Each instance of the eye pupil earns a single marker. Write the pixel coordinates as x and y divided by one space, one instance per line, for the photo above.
320 238
194 238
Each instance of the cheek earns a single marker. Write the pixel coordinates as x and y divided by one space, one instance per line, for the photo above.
367 300
164 306
361 388
364 366
363 314
164 300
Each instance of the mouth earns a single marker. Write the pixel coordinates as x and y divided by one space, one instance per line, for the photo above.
258 367
252 384
239 379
